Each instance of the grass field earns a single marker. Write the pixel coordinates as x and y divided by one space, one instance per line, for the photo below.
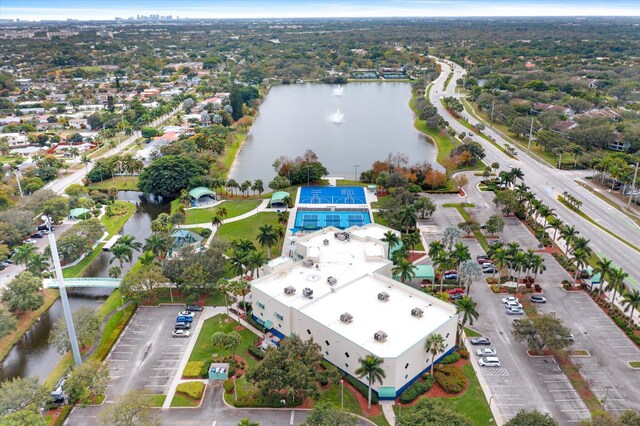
443 142
122 183
234 208
230 153
248 229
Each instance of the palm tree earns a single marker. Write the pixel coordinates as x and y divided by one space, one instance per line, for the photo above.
467 307
216 220
185 198
537 266
371 370
147 258
460 253
242 287
568 234
577 152
581 243
441 262
243 245
580 258
500 260
407 217
435 248
555 224
392 240
231 343
74 153
23 253
247 422
283 218
115 272
237 261
616 283
86 161
434 345
255 260
224 286
411 240
631 299
122 253
267 237
405 270
157 244
604 267
37 264
130 241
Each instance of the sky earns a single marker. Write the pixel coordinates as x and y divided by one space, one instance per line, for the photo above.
100 9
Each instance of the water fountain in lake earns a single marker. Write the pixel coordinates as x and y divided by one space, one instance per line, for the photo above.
337 117
338 91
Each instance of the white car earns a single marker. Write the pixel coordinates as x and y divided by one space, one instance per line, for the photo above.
508 299
512 304
510 166
181 333
186 314
512 310
489 361
30 241
486 352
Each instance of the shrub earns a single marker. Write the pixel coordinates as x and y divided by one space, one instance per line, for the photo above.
117 208
63 415
450 359
193 369
416 389
495 288
363 389
537 288
193 390
228 385
464 353
450 378
204 371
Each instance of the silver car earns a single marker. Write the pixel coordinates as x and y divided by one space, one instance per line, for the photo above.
486 352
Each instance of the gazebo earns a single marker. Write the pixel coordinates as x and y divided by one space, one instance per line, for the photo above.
182 237
197 193
79 213
279 199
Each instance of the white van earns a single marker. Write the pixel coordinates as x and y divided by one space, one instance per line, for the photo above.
489 361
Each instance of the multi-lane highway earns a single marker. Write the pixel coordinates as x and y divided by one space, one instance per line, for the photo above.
547 183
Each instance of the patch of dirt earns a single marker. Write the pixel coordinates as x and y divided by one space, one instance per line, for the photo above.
415 255
238 328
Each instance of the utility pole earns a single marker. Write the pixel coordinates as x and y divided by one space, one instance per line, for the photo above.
493 104
17 173
530 136
63 293
633 185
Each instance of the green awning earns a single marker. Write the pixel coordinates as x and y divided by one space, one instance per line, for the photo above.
78 212
201 191
424 272
387 392
268 324
279 196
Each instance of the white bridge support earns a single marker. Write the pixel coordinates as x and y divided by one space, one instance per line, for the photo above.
84 282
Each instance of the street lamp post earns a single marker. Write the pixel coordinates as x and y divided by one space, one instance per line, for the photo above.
17 173
342 393
63 293
355 166
604 401
633 185
235 388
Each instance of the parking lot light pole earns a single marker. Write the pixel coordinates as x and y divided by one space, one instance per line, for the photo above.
63 293
604 401
235 389
342 393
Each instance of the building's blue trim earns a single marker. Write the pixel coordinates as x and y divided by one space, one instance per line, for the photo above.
277 332
410 382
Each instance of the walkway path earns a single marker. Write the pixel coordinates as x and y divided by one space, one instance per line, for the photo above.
387 410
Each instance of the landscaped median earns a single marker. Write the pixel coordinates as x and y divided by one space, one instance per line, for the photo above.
188 394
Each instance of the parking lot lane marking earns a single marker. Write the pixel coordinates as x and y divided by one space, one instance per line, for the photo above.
214 423
291 419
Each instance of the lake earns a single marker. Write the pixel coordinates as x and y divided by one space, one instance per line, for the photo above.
354 124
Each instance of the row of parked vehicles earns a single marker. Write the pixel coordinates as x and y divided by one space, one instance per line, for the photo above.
40 233
487 355
184 320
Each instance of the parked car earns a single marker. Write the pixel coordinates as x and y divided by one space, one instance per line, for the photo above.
184 318
194 308
9 261
536 298
513 304
480 341
482 256
508 299
451 276
187 313
37 235
567 337
456 296
486 352
30 241
46 228
57 394
183 326
456 290
514 310
489 361
181 333
489 269
482 260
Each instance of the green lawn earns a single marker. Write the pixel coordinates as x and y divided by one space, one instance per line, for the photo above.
234 208
122 183
248 229
472 404
466 217
443 142
634 364
113 224
471 333
183 401
155 401
230 152
332 394
203 348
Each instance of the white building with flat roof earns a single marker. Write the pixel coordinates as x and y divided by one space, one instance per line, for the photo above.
338 290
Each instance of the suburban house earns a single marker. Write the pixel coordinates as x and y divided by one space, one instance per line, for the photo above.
15 139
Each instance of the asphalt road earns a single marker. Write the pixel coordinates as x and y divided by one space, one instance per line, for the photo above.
547 183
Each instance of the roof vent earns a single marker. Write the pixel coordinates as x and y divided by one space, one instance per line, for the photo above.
325 242
307 292
417 312
342 236
332 281
308 263
346 317
383 296
380 336
290 290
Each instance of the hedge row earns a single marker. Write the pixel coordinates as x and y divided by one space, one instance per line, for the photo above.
450 378
450 359
363 389
64 413
416 389
193 390
193 369
256 351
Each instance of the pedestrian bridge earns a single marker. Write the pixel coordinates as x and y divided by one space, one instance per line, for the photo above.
84 282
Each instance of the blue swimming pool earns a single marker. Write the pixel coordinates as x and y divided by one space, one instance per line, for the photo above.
312 220
332 195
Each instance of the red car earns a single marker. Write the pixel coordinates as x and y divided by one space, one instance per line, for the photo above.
456 290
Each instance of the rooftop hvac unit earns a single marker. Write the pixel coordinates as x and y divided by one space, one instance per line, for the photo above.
341 236
307 292
346 317
325 242
383 296
290 290
380 336
308 263
332 281
417 312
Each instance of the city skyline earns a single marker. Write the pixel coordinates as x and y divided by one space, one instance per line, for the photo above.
74 9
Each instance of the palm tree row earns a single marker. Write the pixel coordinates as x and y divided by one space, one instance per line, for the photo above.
572 202
513 259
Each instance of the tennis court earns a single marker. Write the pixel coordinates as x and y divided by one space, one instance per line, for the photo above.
312 220
332 195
